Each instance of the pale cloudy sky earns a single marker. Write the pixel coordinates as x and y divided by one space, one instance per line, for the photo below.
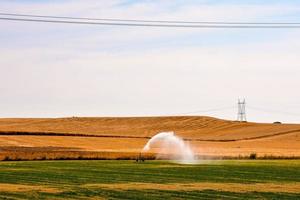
59 70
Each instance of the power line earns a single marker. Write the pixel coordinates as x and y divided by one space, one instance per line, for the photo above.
149 25
205 111
149 21
273 111
241 110
167 25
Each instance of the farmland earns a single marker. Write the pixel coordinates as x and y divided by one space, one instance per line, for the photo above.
123 138
260 179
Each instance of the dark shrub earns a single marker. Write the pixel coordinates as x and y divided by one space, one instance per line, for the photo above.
6 158
253 156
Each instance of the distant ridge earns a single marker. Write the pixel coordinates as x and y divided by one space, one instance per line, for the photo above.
198 128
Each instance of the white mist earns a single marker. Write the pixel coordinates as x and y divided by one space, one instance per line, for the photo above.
171 146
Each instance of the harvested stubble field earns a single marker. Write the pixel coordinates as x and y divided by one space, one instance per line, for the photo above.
235 179
123 138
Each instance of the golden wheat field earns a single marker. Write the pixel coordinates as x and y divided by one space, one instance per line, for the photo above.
123 138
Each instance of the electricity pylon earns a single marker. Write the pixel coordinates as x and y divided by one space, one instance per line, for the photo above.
241 117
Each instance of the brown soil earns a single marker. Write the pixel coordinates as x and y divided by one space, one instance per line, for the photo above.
229 187
5 187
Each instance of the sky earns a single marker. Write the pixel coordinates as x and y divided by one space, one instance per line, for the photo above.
59 70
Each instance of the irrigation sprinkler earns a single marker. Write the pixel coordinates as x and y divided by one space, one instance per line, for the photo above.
140 158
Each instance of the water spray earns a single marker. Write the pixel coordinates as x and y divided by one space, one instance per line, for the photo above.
170 147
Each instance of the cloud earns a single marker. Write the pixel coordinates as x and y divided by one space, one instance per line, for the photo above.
59 70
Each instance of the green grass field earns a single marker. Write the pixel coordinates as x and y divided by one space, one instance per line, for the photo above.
150 180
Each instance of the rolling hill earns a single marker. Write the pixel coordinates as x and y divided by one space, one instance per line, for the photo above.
207 136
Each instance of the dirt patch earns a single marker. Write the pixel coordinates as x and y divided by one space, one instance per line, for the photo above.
4 187
229 187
